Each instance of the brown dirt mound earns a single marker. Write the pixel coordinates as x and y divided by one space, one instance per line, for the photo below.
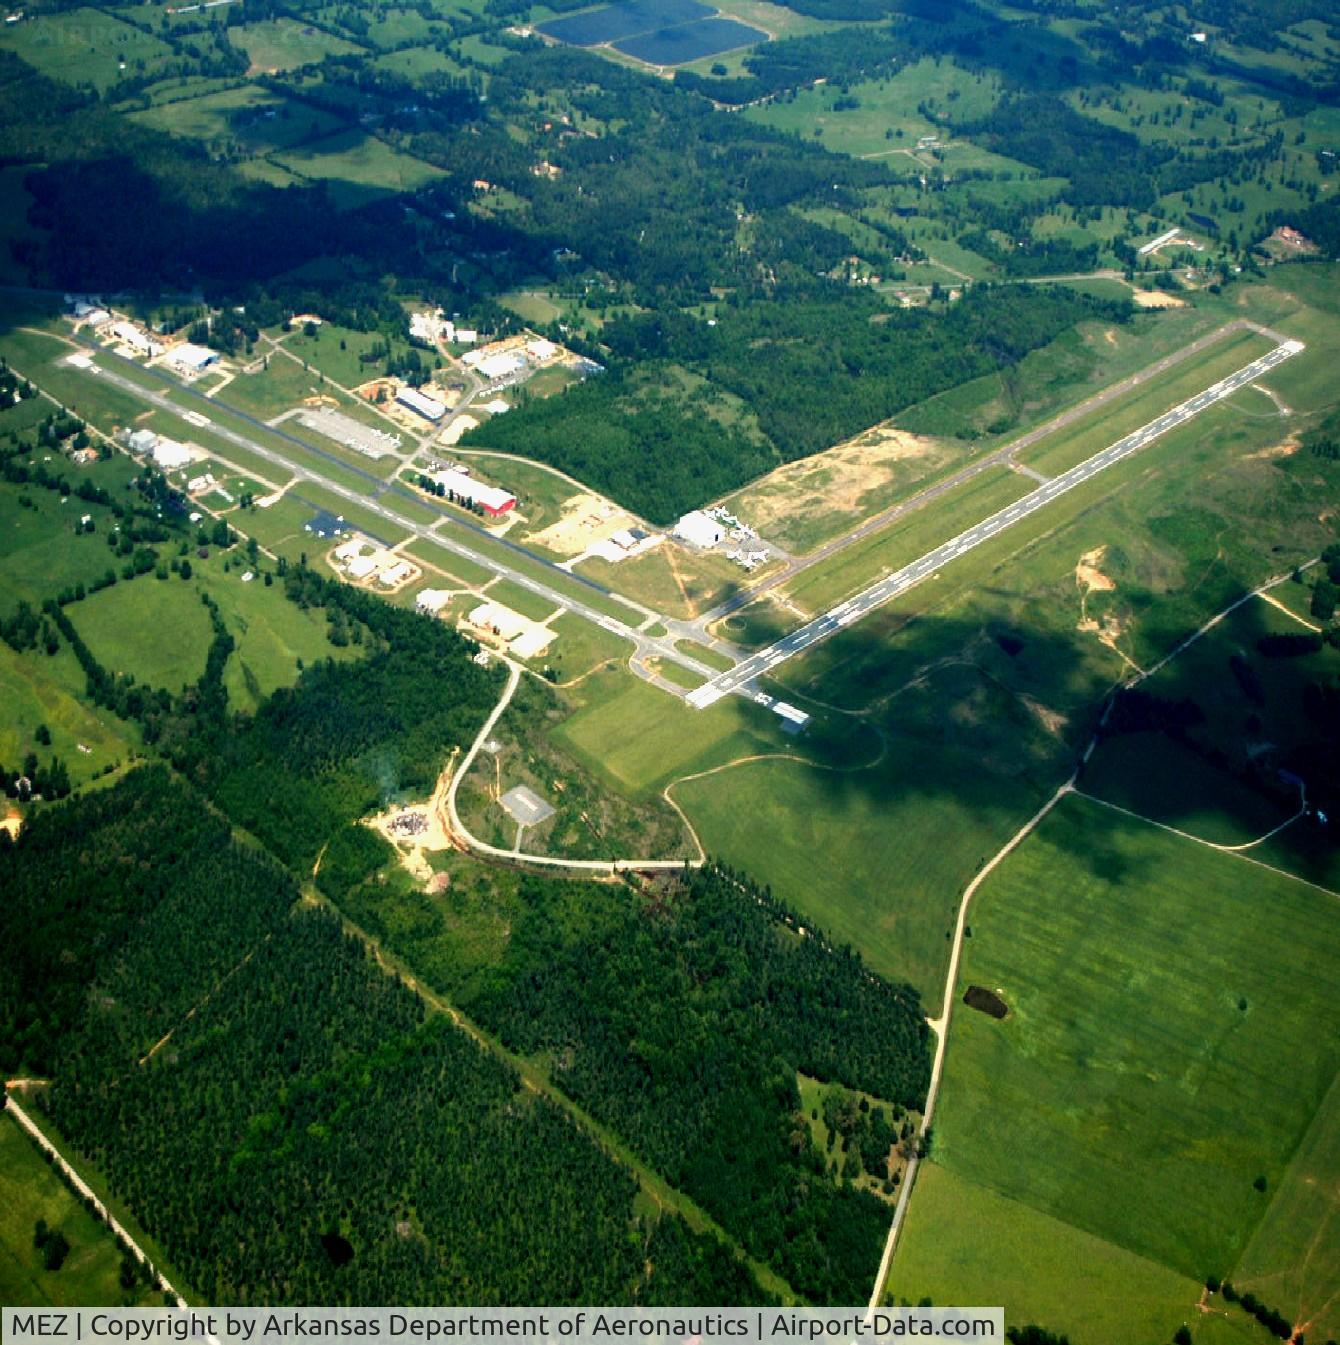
985 1001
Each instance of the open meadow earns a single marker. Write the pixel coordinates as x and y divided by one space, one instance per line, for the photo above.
1152 983
966 1243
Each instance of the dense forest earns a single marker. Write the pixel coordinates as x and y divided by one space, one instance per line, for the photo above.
681 1018
814 366
284 1117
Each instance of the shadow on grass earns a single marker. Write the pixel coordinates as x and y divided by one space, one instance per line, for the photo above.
1223 742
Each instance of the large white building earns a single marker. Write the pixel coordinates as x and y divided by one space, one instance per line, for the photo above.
495 365
432 600
493 500
429 408
191 358
697 529
137 340
170 455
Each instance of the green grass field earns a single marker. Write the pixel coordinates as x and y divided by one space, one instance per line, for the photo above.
85 46
1057 452
1293 1259
30 1190
357 166
39 548
638 739
250 117
1253 710
285 44
582 646
876 857
670 578
886 122
35 689
861 564
124 627
965 1243
1153 985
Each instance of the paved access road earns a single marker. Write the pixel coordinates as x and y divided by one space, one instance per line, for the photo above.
766 660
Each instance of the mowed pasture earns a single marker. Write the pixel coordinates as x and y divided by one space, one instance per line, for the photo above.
123 627
874 855
37 688
85 46
40 550
1153 985
251 117
883 118
1149 399
965 1243
901 543
358 167
1218 777
285 44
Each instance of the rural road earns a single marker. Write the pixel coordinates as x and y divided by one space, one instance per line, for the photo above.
739 678
940 1025
459 829
83 1188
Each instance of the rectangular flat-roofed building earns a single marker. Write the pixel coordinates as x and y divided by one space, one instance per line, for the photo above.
698 529
427 407
191 358
493 500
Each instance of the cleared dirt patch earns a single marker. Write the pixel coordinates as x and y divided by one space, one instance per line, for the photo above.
845 482
1156 299
453 432
584 519
1285 449
985 1001
1089 577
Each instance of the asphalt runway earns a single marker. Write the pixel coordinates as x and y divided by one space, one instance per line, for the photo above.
740 678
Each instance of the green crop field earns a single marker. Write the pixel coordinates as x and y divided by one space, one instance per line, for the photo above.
965 1243
29 1191
1152 983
